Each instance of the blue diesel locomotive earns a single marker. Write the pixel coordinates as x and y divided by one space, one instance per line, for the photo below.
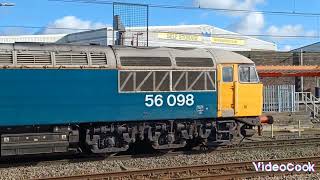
59 98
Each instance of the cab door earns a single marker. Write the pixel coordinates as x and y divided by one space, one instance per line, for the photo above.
226 90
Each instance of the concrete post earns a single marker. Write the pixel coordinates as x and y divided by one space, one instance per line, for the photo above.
299 125
301 64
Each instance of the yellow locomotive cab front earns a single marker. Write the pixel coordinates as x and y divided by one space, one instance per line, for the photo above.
240 91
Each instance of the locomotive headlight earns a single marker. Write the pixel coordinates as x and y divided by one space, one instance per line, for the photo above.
6 139
63 137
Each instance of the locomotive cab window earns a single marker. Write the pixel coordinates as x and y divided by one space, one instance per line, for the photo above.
227 74
248 74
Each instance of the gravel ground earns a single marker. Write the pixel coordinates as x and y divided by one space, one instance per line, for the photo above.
314 176
64 168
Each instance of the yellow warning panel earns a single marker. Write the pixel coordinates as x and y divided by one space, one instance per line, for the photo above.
179 36
249 99
229 41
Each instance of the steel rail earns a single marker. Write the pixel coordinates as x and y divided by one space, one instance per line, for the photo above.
223 170
70 158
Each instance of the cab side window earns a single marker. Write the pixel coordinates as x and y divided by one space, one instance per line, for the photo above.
227 74
248 74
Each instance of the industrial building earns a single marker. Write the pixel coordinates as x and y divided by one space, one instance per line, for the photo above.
202 36
315 47
48 38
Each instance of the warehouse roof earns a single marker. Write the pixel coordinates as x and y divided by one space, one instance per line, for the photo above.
31 38
315 47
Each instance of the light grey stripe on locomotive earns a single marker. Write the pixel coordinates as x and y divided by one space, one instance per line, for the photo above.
37 55
163 58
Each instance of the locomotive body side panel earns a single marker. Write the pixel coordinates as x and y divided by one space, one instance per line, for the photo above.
53 96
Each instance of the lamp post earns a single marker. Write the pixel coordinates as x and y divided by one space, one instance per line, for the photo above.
138 34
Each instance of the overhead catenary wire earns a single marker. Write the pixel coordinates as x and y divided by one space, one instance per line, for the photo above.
165 6
294 13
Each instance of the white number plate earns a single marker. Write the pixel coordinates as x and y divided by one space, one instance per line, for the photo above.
171 100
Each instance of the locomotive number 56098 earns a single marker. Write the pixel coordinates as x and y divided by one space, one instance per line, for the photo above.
170 100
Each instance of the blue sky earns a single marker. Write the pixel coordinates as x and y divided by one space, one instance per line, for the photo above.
43 13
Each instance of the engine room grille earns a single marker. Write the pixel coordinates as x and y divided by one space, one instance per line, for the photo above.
193 80
98 59
49 59
28 58
71 59
6 58
152 81
194 62
145 61
145 81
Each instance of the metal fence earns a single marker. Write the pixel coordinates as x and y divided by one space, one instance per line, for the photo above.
279 98
130 24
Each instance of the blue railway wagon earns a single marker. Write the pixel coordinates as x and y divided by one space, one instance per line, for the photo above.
59 98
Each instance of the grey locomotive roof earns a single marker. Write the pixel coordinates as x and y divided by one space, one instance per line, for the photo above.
111 57
220 56
228 57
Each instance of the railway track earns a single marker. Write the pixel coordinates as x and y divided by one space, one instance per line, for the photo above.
221 171
243 146
70 158
275 143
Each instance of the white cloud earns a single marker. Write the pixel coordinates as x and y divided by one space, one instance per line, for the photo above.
288 30
71 24
285 30
250 24
229 4
287 48
254 22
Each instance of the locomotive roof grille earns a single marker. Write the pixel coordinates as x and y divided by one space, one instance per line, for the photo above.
33 58
194 62
98 59
145 61
47 59
6 58
71 59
